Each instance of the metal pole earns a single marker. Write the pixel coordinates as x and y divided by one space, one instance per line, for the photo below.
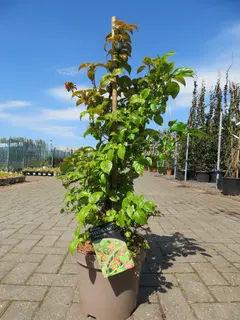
186 162
237 158
8 154
51 152
175 160
219 147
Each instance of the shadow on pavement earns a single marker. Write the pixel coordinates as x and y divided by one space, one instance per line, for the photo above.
164 250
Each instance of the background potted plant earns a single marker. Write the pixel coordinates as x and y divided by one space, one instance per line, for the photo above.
119 108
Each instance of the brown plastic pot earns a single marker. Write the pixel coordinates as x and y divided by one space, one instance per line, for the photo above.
107 298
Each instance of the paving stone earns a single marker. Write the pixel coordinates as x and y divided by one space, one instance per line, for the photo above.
23 257
232 278
24 246
56 304
20 273
5 268
46 226
49 250
158 280
48 241
5 233
4 249
193 287
148 295
75 313
51 264
3 306
217 311
222 264
19 310
175 306
208 274
20 292
28 228
225 293
42 279
177 267
147 311
70 268
226 252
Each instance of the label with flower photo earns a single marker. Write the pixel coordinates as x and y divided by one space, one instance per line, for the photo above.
111 249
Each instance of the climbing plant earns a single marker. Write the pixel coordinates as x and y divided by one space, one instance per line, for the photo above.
120 109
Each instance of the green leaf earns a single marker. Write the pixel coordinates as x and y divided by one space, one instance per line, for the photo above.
140 216
73 245
125 203
128 234
82 194
173 89
140 69
106 166
82 214
145 93
113 195
127 67
149 206
136 99
178 126
103 178
168 54
105 80
129 211
110 154
117 71
158 119
94 197
183 72
153 106
180 79
121 151
139 168
149 160
121 219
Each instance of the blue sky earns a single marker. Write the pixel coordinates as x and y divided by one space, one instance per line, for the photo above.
43 43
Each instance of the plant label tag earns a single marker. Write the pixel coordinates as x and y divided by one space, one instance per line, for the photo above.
111 249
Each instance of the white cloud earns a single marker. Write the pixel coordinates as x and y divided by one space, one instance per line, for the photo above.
235 29
68 114
61 94
14 104
70 71
219 59
39 123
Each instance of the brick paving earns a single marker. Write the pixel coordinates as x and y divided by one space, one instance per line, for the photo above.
192 271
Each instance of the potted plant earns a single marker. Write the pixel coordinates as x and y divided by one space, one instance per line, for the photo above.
119 110
231 183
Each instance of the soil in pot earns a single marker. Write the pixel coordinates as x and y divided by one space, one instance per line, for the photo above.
107 298
231 186
203 176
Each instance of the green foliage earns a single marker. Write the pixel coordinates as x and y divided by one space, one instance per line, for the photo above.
105 175
203 152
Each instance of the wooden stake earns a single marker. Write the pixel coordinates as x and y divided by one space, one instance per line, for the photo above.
114 84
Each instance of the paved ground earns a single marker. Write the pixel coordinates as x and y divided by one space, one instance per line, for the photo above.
192 270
